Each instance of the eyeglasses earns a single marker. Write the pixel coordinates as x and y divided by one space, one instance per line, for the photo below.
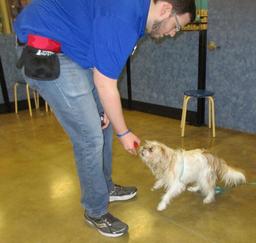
177 23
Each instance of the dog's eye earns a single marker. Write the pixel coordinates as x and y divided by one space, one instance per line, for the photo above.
150 149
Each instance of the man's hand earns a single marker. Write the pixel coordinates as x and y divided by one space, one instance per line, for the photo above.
130 143
104 121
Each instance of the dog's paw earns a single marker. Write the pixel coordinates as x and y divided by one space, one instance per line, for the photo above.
193 188
154 188
161 206
208 200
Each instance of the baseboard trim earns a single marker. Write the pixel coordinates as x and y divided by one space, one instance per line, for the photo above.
160 110
22 105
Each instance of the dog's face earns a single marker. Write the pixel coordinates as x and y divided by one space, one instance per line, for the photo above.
155 154
150 151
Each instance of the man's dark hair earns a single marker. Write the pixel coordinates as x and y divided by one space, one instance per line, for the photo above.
182 7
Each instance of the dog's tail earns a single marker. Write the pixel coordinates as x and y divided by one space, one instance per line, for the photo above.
230 176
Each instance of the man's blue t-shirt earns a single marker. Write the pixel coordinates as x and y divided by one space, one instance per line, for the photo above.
93 33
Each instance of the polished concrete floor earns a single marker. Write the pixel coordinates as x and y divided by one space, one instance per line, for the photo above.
39 190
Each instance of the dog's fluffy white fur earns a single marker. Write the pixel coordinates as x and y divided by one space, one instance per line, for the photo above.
176 169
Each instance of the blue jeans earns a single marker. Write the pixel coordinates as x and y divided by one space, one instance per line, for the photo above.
74 100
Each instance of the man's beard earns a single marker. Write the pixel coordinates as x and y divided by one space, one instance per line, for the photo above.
155 32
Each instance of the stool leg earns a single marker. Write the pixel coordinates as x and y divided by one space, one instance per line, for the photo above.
28 97
209 114
15 97
35 99
183 110
184 116
38 99
46 106
213 116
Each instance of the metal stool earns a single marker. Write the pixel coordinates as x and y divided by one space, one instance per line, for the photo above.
35 94
28 96
198 94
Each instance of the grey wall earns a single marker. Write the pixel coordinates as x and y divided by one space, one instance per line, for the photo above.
11 73
232 68
161 69
161 72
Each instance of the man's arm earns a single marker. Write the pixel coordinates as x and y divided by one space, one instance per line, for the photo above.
110 99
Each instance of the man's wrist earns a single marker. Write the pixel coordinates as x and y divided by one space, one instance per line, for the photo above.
120 135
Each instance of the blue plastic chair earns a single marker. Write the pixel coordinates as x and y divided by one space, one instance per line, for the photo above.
199 93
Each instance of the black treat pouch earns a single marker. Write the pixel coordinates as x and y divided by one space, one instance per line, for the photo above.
39 64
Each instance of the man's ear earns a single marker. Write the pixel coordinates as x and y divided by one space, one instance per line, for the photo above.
165 9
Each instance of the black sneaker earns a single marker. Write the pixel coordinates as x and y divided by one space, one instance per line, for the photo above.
121 193
108 225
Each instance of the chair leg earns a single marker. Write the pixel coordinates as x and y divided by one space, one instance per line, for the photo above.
184 116
213 116
28 97
209 114
15 97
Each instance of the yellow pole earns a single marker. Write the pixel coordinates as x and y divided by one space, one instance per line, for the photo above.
5 17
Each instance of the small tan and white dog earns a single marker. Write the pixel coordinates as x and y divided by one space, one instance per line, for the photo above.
176 169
